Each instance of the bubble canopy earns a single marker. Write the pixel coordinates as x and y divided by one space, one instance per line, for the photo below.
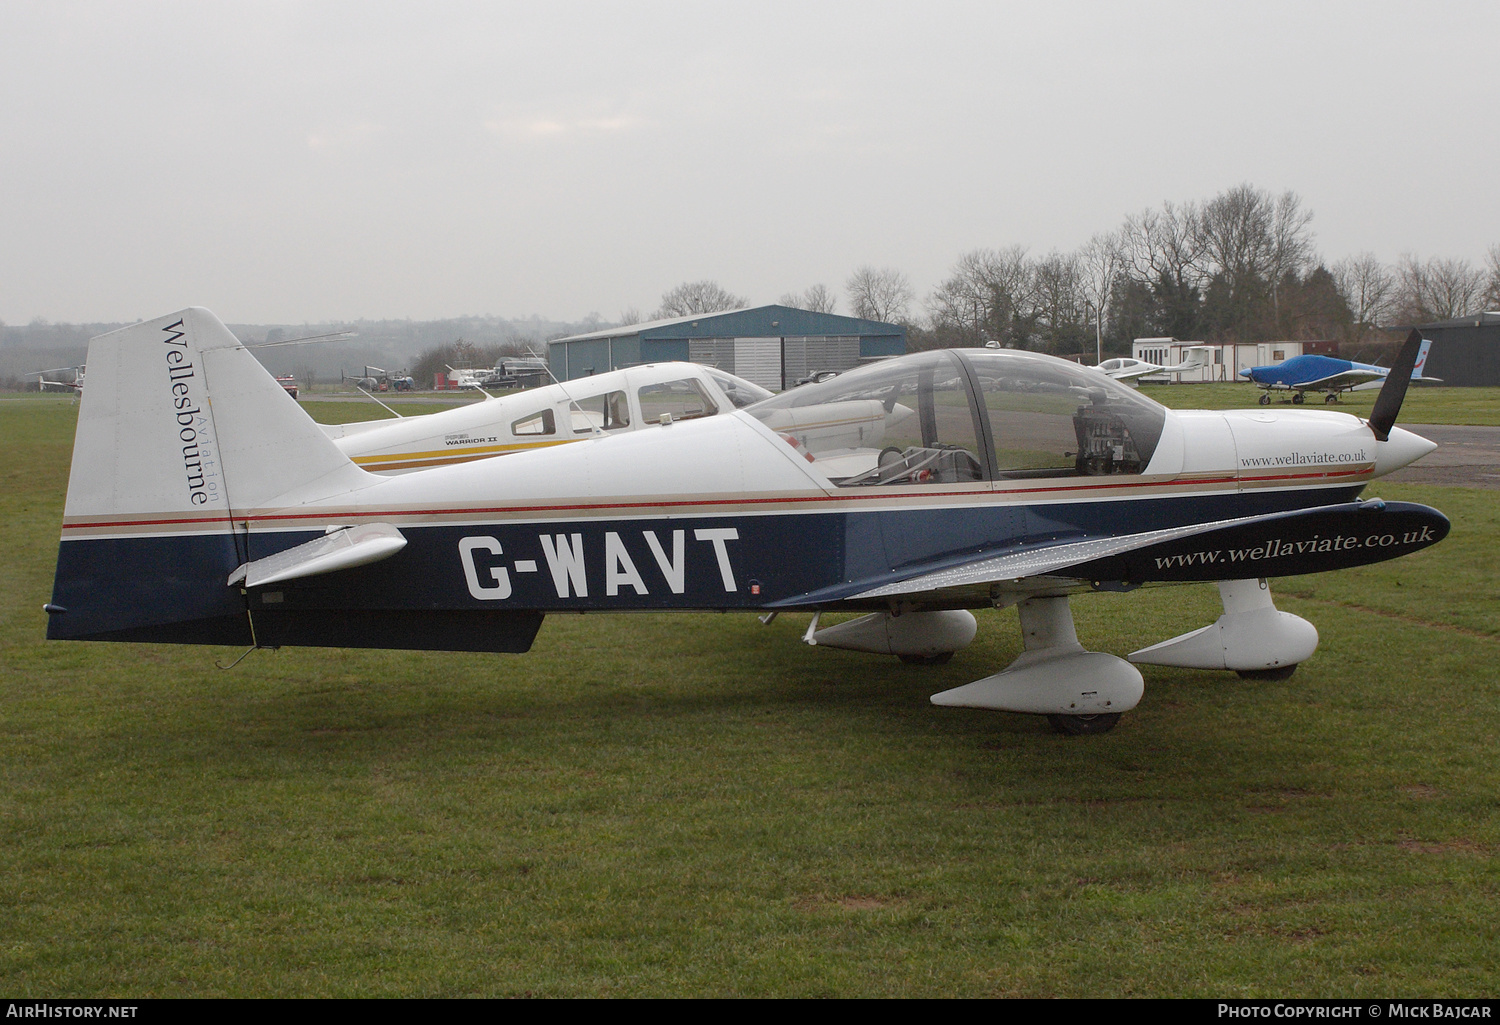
957 415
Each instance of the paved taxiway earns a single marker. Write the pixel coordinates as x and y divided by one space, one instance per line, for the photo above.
1467 457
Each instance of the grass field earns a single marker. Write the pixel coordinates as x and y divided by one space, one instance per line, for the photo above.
696 804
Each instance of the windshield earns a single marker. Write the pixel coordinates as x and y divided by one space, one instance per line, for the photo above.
740 391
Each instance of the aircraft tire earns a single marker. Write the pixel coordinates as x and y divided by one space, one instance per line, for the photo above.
1084 725
942 658
1332 396
1279 673
1298 398
1265 398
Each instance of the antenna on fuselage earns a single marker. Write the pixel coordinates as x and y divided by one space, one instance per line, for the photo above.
572 402
1393 392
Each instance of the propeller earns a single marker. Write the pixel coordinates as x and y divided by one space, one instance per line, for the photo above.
1393 392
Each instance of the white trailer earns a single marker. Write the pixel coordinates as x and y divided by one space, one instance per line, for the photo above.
1226 359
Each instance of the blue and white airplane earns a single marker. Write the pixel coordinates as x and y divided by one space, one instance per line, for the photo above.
1302 374
205 507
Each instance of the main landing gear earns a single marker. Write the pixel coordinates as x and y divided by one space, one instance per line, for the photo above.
1079 691
1084 692
1083 725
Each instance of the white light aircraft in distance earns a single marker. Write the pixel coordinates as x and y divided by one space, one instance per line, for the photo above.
75 385
1129 369
620 400
204 506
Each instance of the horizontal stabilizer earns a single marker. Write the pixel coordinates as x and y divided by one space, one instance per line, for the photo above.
342 549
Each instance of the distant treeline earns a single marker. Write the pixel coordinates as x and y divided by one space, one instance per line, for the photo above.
391 345
1240 267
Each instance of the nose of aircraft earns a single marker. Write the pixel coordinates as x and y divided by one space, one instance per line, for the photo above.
1401 448
1245 372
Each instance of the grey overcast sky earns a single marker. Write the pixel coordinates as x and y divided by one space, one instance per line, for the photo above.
291 162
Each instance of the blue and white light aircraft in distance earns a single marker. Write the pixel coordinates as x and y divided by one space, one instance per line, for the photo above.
204 506
1327 374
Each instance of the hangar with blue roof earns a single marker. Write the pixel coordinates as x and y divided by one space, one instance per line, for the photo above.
773 346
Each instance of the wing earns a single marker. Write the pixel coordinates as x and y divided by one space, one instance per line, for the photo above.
1131 373
1276 544
1342 380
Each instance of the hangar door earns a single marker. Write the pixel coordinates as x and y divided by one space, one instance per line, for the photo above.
758 360
804 356
755 359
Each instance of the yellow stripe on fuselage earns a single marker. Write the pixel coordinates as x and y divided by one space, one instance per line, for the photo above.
442 457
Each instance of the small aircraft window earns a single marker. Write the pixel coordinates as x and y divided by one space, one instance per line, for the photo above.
537 423
740 391
1052 418
607 410
902 422
685 400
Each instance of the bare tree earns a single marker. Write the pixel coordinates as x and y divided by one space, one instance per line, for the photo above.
1163 246
1251 243
1059 301
1291 244
1367 286
629 315
817 299
882 294
1162 252
991 295
1099 264
1247 234
1437 289
694 297
1492 284
1457 287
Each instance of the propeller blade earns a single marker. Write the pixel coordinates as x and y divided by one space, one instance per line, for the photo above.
1393 392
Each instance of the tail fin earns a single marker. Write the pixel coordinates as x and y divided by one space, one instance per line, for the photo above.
1419 371
180 432
180 418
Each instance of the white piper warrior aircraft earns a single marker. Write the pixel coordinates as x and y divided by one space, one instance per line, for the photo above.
622 400
204 506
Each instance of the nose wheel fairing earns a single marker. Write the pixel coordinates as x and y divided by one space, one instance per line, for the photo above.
1251 636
